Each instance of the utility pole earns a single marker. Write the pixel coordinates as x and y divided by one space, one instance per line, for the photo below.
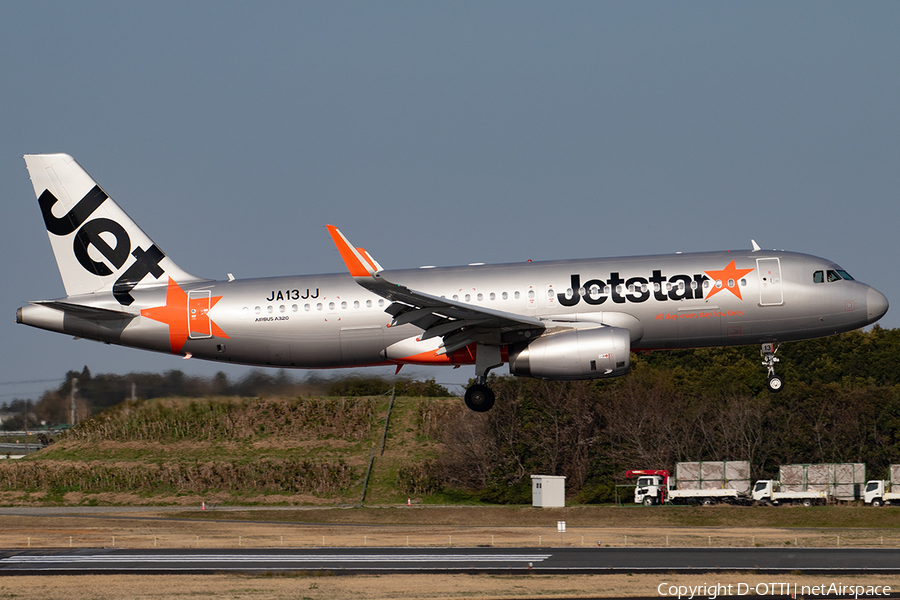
72 401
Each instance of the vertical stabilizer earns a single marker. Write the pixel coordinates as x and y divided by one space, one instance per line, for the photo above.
98 247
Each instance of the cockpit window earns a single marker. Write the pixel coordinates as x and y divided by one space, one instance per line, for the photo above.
844 275
832 275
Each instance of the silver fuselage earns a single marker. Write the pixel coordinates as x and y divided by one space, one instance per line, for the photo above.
322 321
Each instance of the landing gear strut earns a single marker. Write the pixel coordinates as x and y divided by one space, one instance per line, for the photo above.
479 397
773 381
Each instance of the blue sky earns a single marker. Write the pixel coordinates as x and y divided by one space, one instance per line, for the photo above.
447 133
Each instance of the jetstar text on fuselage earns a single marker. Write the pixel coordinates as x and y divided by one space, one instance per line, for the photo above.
660 287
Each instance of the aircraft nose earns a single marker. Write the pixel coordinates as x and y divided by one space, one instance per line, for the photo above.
876 305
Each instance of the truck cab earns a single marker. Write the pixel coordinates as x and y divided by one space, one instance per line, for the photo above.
649 490
878 493
763 490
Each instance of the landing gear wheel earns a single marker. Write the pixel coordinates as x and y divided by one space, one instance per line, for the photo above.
479 398
775 383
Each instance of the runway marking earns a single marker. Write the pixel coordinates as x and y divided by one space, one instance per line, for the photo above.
272 558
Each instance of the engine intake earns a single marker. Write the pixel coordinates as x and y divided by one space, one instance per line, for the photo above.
576 354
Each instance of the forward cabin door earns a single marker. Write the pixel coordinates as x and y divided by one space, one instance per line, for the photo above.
770 289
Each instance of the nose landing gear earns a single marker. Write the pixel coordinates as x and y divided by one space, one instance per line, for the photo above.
773 381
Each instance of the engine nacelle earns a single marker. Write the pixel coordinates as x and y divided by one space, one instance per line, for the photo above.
576 354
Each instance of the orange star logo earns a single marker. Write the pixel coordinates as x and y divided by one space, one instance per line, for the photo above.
185 316
727 279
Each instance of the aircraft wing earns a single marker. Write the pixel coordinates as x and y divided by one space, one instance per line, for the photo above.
458 323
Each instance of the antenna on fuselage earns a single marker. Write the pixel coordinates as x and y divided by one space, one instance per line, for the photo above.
756 247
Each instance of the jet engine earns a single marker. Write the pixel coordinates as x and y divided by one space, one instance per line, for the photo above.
574 354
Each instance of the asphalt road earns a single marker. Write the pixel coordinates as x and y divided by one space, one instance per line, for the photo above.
454 560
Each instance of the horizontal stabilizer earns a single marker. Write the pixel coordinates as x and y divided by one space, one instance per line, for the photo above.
86 312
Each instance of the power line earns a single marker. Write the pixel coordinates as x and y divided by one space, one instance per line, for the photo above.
31 381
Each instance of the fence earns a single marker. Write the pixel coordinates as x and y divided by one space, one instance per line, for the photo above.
546 539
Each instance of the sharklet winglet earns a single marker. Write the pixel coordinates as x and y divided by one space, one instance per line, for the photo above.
354 258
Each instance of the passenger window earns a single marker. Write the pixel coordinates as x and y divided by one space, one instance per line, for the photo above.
819 277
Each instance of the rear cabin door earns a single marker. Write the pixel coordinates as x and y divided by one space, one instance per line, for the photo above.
198 314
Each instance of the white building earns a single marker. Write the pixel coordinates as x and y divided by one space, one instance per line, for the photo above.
548 491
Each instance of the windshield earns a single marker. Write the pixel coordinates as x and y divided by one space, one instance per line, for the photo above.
831 275
760 486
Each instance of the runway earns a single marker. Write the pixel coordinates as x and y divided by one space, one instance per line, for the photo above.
454 560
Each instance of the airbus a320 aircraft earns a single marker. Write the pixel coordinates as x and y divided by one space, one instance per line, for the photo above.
564 320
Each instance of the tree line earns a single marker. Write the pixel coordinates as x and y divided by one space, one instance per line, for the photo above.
841 404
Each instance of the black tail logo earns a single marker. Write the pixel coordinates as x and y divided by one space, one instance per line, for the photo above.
89 234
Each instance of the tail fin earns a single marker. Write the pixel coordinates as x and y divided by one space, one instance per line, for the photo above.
98 247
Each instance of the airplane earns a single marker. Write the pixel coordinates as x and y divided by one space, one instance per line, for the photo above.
559 320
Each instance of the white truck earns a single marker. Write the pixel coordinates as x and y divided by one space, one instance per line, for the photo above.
880 492
655 487
884 492
768 492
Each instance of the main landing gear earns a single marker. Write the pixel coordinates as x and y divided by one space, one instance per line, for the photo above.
773 381
479 397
